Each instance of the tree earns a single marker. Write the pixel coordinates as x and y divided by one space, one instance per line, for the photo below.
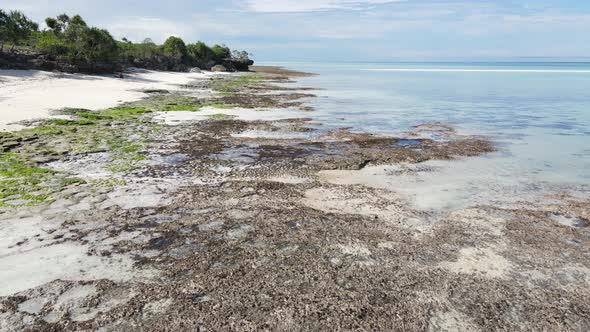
174 46
58 24
77 20
97 45
63 19
74 28
240 55
200 52
4 22
54 25
221 52
15 27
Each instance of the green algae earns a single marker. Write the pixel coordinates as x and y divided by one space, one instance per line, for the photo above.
23 184
181 107
13 167
232 84
65 122
105 184
218 116
218 106
123 132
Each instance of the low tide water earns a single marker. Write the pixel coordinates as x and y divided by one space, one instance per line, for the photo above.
538 114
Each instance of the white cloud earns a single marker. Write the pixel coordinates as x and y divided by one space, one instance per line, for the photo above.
139 28
288 6
14 5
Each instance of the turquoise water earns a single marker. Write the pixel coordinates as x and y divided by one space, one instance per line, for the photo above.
537 113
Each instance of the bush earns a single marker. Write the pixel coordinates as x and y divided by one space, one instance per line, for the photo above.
143 50
48 42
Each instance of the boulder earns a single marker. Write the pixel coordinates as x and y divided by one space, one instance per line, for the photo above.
219 68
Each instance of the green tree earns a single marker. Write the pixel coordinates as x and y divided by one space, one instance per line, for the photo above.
58 24
97 45
77 20
175 46
49 42
240 55
221 52
147 48
200 52
4 22
15 27
54 25
63 19
74 28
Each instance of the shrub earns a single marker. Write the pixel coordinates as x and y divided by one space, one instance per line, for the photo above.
145 49
48 42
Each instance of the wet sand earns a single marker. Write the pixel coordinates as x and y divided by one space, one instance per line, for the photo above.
243 214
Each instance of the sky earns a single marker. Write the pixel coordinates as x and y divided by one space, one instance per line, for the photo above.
347 30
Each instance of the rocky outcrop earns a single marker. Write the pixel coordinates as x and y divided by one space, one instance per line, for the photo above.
39 61
158 62
219 68
237 64
34 60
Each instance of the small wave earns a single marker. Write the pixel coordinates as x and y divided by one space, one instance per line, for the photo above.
474 70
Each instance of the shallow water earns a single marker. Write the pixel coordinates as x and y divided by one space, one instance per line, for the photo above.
537 113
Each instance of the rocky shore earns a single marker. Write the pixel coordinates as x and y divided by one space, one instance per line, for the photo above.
223 206
24 59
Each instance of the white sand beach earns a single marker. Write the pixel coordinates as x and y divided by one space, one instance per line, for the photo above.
32 94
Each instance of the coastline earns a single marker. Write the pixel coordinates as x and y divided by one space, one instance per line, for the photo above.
225 215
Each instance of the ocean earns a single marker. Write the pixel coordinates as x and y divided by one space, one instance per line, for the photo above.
537 114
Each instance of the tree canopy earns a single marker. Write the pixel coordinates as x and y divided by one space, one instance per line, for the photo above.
174 46
15 27
71 38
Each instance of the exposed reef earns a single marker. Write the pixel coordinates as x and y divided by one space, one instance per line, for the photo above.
212 211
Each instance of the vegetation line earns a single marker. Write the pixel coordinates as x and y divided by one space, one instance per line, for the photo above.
69 44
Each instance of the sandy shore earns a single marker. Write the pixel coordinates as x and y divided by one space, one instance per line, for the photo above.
31 94
222 206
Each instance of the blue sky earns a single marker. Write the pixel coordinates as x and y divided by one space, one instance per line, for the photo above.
347 30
